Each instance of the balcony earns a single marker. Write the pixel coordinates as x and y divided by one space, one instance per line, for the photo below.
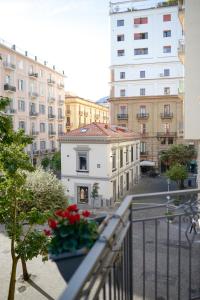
122 116
51 116
60 85
166 115
50 81
68 111
144 153
9 66
10 111
61 133
86 114
33 75
60 102
33 114
60 118
51 133
144 252
36 152
51 99
181 12
166 134
9 88
142 116
80 113
181 50
68 124
34 133
33 95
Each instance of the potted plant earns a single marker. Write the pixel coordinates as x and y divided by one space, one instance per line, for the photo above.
71 235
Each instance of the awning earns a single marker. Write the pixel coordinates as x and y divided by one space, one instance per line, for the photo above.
147 163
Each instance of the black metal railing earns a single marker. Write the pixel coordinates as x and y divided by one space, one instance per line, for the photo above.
145 252
143 116
166 115
32 74
9 87
122 116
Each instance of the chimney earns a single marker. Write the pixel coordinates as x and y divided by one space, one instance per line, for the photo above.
54 67
63 72
35 58
13 47
26 53
106 126
45 63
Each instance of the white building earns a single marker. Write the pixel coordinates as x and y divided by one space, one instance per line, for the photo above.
103 154
144 42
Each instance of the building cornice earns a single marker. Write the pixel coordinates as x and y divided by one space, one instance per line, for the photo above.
96 139
78 100
145 98
145 79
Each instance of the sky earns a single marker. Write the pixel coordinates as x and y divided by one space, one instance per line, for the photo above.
73 35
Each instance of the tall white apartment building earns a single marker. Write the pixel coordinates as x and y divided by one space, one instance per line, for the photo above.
146 74
37 98
144 42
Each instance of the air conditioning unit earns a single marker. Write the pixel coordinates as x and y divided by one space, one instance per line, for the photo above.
161 75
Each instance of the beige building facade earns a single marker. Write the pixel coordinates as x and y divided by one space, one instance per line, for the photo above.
80 112
37 95
157 119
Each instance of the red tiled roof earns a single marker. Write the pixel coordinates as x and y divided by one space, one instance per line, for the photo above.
100 129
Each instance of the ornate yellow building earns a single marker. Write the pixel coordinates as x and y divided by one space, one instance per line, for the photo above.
79 112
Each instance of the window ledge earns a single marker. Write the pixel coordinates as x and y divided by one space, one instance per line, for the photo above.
82 171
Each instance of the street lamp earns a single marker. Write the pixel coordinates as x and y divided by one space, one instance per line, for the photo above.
168 199
168 184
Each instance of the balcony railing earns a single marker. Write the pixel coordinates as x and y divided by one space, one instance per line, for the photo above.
142 116
60 117
144 153
122 116
80 113
143 252
51 133
60 102
34 133
61 133
61 85
9 88
33 75
51 116
166 134
33 95
9 65
33 114
51 81
10 111
51 99
166 115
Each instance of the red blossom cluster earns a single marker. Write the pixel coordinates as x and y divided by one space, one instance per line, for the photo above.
70 213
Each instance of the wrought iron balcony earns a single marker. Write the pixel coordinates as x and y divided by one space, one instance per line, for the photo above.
60 102
51 81
51 116
33 114
9 65
10 111
166 134
34 133
51 99
33 95
33 75
61 85
60 117
166 115
9 88
144 153
36 152
142 116
51 133
122 116
143 252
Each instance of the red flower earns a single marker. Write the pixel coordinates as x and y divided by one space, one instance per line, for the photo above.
59 213
72 207
86 213
74 218
52 223
66 214
47 232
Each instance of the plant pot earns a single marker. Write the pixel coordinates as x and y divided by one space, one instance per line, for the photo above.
68 263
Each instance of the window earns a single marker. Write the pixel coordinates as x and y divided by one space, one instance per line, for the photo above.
41 73
141 36
137 149
21 105
42 145
59 112
167 49
82 163
121 157
20 85
166 109
120 38
120 52
142 92
120 23
142 110
140 51
143 128
166 18
122 75
113 160
166 33
32 107
166 127
22 125
166 90
50 110
82 194
60 128
131 153
141 20
122 93
142 74
163 141
42 109
166 72
21 64
8 79
42 127
170 141
142 147
42 89
123 109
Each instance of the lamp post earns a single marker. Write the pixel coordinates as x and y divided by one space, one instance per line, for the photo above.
168 197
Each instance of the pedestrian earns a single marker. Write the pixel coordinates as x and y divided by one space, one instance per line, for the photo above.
193 226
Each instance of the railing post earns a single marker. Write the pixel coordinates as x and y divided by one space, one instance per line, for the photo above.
131 253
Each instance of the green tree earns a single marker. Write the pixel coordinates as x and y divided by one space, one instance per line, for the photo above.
179 154
177 173
26 241
95 191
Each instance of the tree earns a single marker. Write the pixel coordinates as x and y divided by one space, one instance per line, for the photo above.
54 163
179 154
26 241
95 191
177 173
